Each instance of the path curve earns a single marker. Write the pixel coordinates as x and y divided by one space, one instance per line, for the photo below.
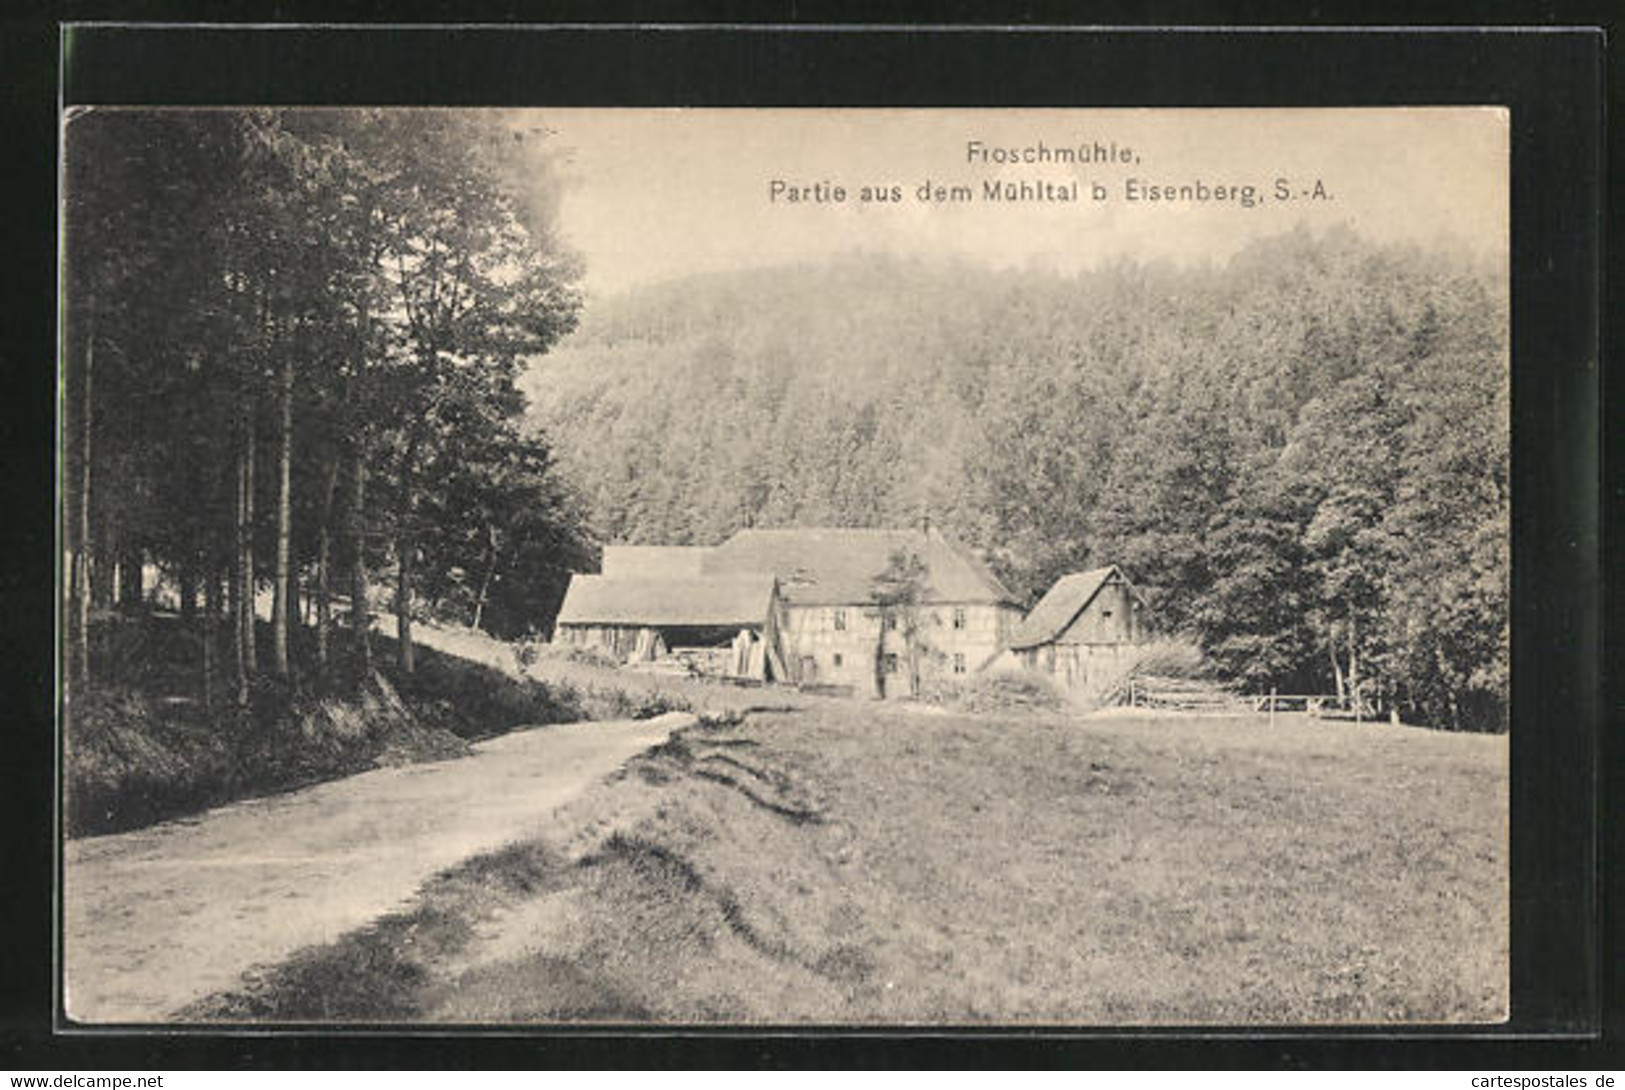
160 917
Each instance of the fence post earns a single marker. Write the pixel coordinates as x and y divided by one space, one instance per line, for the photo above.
1272 707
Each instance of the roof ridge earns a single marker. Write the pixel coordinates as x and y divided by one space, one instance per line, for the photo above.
1066 598
844 560
828 529
746 576
731 598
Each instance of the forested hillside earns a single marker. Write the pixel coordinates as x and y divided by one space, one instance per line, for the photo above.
290 346
1300 454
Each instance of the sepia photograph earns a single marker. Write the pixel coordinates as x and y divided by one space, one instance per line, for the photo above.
858 567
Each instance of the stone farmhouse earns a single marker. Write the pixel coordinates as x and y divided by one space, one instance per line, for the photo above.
834 631
812 609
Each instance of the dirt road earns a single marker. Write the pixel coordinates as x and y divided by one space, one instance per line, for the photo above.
159 917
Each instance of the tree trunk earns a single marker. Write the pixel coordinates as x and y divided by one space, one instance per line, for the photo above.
188 589
243 588
284 523
131 593
1354 665
233 587
102 571
403 601
211 616
913 665
79 669
324 551
490 573
880 659
405 548
360 614
1337 668
296 617
250 583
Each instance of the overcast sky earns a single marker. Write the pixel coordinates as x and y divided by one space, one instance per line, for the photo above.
653 194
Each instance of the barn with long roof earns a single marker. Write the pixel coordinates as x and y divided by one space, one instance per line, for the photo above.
729 625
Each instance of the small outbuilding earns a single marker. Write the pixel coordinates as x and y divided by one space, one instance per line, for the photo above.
1087 619
729 626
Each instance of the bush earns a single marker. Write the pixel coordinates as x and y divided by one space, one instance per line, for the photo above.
473 700
130 760
536 652
1002 691
1008 686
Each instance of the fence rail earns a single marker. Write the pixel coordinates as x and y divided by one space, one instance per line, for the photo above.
1185 694
1358 705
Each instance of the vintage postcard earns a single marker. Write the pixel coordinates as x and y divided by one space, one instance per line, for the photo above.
772 567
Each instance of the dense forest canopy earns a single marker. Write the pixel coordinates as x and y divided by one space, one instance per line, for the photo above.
290 352
1299 454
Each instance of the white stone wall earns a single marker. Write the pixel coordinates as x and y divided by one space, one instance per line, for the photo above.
840 642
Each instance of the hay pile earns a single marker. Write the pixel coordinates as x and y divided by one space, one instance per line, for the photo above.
1003 691
1167 658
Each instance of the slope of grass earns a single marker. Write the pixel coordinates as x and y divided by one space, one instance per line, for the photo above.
854 863
143 748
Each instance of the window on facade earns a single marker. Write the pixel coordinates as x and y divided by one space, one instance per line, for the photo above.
840 620
959 618
959 663
890 663
837 658
1106 613
891 623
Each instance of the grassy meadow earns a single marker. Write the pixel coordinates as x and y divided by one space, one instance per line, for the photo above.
848 862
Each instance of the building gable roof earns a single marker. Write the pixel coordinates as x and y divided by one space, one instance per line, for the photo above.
657 603
837 566
653 561
1069 597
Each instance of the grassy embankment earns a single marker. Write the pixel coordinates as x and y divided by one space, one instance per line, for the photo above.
143 748
855 863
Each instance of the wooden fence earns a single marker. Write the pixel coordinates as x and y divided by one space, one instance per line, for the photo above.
1188 695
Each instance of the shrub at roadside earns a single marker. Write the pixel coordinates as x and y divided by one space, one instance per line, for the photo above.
131 759
1002 691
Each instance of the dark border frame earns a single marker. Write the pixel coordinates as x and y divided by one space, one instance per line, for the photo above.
1551 79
